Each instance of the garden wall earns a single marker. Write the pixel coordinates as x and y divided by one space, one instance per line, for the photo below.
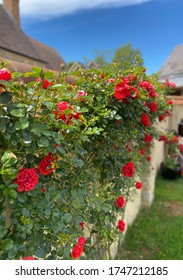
144 197
177 112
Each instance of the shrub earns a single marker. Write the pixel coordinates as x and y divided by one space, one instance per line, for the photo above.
70 156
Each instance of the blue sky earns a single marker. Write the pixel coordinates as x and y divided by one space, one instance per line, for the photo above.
75 28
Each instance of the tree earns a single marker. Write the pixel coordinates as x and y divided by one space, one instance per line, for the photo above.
102 58
126 54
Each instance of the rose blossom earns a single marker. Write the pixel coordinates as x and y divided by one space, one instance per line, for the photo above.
81 241
26 179
149 158
181 148
147 85
170 84
121 225
147 138
44 166
120 202
170 102
5 75
162 138
128 169
77 251
62 106
138 185
82 225
161 117
143 151
145 120
121 91
45 82
29 258
153 107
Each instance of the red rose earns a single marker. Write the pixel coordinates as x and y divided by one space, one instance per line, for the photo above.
121 91
81 241
5 75
43 190
77 251
121 225
162 138
152 93
181 148
145 120
161 117
153 107
170 102
26 179
149 158
29 258
170 84
145 84
82 225
129 148
128 169
46 84
44 166
62 106
138 185
120 202
147 138
143 151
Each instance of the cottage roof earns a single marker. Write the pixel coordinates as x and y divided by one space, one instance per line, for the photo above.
173 67
13 39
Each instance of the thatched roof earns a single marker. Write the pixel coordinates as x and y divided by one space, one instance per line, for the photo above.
173 67
14 40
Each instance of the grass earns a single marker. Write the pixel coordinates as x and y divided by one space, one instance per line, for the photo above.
157 233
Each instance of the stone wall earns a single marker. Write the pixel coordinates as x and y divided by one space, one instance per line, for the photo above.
177 112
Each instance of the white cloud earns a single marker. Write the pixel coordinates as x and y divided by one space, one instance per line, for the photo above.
50 8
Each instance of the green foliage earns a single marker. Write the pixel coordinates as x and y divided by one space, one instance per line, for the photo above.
126 54
83 149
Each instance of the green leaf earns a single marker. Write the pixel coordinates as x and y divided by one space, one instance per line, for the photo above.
8 159
9 172
40 252
2 187
5 97
67 217
24 123
13 194
49 105
12 253
3 232
17 113
77 203
7 244
43 142
21 197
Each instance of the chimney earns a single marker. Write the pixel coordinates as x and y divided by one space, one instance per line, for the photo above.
13 8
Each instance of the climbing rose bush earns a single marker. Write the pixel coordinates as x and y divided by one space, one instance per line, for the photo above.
70 157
